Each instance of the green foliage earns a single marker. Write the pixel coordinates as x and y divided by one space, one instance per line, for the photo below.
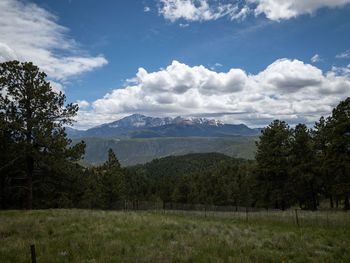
32 117
198 178
304 178
337 150
300 164
38 162
272 158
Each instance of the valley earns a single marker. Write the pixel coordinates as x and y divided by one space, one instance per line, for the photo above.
137 151
138 139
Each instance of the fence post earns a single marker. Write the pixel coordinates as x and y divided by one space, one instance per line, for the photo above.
296 217
327 218
32 252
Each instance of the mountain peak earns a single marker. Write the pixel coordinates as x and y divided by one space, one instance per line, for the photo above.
141 126
135 115
138 120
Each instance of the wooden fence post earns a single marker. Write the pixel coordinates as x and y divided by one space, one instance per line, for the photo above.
32 252
296 217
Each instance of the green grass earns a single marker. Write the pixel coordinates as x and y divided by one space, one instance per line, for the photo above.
101 236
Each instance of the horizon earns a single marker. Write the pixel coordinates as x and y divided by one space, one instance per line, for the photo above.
173 117
242 62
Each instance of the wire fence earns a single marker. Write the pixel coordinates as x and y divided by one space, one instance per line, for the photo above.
326 218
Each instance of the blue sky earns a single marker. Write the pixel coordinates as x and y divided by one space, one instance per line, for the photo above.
236 60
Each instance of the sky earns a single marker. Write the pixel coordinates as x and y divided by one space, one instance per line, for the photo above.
240 61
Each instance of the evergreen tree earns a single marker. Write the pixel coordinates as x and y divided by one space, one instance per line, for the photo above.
112 181
34 116
321 165
303 175
112 161
338 149
273 150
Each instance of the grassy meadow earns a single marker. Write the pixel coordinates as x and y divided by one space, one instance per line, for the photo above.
112 236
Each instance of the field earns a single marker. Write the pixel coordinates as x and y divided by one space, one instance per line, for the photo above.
112 236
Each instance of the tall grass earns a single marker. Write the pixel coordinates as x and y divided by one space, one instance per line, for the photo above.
110 236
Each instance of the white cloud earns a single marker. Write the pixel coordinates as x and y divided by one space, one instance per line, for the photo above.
200 10
31 33
286 9
205 10
83 104
344 55
287 89
341 71
56 86
215 66
183 25
316 58
146 9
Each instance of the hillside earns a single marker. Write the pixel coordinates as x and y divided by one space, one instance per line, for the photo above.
173 166
136 151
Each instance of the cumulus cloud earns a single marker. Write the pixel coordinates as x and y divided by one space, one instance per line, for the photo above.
31 33
146 9
200 10
205 10
83 104
316 58
286 9
287 89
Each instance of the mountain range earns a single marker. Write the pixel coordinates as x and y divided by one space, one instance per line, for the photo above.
141 126
138 139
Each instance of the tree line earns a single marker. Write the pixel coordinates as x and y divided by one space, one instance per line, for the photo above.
41 168
303 166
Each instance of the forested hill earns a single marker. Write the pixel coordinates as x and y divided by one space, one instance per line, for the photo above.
181 165
138 151
207 178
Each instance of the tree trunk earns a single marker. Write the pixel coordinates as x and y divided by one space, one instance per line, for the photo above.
29 182
336 202
314 201
346 202
331 201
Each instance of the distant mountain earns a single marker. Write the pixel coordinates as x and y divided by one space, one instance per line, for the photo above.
74 133
136 151
140 126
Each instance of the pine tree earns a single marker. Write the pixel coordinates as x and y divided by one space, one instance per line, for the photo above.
272 158
35 116
112 181
303 173
338 149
